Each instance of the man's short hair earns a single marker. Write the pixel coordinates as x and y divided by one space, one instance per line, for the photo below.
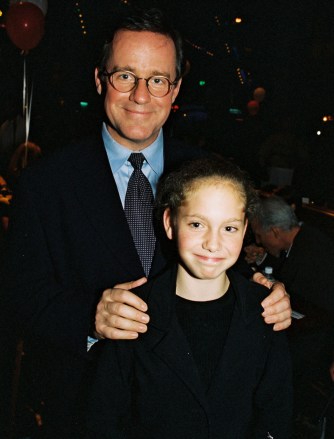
274 211
151 20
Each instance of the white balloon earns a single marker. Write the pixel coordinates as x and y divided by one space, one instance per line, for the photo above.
42 4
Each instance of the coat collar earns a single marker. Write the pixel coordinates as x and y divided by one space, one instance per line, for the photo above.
165 337
161 298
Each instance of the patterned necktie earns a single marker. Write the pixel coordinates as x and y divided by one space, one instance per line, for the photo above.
138 209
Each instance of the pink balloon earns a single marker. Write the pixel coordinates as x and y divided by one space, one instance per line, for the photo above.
25 25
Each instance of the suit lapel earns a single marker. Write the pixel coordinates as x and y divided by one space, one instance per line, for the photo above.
242 344
97 191
165 337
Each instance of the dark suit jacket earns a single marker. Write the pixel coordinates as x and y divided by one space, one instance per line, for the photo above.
308 271
68 241
150 388
308 277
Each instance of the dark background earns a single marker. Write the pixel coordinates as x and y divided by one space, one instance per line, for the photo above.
286 47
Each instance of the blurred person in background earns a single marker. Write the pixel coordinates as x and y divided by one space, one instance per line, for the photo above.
307 260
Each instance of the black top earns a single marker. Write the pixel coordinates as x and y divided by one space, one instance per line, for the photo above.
206 325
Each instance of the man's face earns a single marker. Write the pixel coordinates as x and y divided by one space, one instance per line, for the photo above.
136 117
269 239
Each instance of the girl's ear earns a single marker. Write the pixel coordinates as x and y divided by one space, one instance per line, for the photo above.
167 220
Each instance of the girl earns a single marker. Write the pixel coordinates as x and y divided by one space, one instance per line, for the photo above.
208 367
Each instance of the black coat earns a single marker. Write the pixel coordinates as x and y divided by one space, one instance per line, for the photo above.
308 271
68 241
150 388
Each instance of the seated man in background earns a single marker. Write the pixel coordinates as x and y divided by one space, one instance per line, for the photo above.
307 261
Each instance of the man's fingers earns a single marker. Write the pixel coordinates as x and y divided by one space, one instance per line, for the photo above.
261 279
271 315
278 295
277 308
115 310
120 314
118 334
116 327
122 296
282 325
280 309
132 284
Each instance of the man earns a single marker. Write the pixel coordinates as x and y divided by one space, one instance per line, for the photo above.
70 237
302 249
306 264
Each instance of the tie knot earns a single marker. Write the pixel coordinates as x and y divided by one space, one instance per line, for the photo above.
136 159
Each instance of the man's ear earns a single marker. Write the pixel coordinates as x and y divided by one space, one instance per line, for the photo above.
276 232
176 90
168 225
246 227
98 82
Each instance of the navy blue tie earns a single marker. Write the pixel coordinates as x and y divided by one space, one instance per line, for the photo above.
138 209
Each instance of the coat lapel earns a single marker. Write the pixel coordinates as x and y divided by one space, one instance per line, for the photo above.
242 341
165 337
97 191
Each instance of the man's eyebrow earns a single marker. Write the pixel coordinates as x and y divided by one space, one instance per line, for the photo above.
134 70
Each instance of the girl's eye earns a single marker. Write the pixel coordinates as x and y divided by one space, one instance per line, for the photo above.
195 225
230 229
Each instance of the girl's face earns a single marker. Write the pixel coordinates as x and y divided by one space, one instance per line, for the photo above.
209 228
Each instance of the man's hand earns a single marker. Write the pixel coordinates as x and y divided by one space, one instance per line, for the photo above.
254 253
120 314
277 308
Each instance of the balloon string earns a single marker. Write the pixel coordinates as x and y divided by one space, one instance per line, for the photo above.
24 86
27 103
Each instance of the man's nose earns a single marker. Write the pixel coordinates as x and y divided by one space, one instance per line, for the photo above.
140 93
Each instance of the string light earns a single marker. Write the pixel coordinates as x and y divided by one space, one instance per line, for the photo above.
195 46
81 19
217 20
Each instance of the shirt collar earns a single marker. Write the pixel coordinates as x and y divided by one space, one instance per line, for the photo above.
118 154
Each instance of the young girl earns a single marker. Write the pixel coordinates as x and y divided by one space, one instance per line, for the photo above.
208 366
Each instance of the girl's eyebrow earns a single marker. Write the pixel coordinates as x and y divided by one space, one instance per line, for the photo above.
227 220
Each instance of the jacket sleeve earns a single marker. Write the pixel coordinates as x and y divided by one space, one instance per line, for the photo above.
34 300
273 398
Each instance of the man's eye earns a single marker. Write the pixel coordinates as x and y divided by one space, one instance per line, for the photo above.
125 77
157 81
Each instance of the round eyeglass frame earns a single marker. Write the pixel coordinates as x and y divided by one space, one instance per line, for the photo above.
135 85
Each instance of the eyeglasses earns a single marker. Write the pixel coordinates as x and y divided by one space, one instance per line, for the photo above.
124 81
